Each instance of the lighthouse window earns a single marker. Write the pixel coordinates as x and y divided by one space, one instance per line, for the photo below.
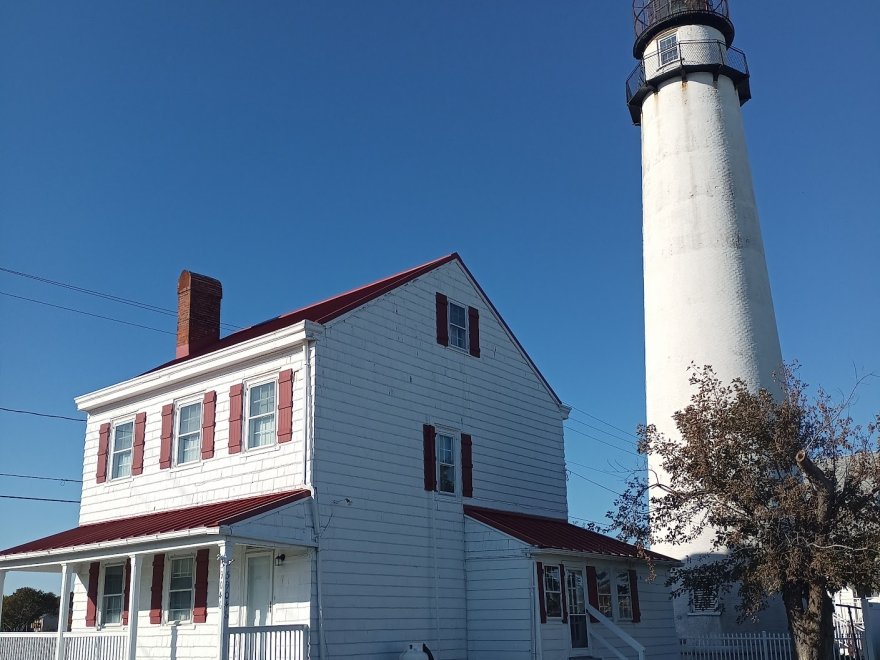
668 47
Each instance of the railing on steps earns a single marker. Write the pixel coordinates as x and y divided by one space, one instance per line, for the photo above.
101 645
269 643
612 627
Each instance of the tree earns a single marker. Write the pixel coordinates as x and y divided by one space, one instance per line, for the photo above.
24 606
787 490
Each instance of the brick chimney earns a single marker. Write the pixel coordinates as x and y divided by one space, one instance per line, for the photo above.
198 312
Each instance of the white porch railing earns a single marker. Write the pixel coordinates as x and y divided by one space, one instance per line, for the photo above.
77 646
738 646
612 627
269 643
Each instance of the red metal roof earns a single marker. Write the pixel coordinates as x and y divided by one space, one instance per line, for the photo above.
204 515
555 533
323 311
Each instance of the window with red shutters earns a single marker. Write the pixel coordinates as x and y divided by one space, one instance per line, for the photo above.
474 331
235 408
467 465
92 595
137 461
156 588
442 307
429 449
103 453
209 413
285 406
200 599
167 436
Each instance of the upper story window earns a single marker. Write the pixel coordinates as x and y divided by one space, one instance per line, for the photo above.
458 326
445 462
114 588
260 423
189 432
668 48
552 591
181 585
123 440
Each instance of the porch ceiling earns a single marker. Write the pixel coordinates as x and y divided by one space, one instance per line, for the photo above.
204 519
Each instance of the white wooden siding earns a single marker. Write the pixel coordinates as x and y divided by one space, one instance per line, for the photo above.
394 569
276 468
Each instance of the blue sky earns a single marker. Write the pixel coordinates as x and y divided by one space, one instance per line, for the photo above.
294 150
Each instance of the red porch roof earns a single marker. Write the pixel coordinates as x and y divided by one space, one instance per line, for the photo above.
175 520
555 534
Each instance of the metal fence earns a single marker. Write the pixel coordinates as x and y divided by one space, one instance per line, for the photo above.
761 646
269 643
649 12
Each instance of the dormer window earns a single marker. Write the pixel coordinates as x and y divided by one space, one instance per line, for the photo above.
458 326
189 432
123 439
260 423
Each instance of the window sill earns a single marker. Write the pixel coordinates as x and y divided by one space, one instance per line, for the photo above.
264 448
715 613
183 467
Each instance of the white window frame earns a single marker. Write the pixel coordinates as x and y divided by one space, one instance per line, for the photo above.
456 464
662 51
561 592
612 600
449 304
246 413
178 407
617 582
112 449
166 596
103 594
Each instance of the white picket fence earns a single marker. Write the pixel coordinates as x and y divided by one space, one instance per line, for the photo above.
289 642
761 646
77 646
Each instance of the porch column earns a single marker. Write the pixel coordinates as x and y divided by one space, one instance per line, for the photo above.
134 601
63 612
223 590
2 580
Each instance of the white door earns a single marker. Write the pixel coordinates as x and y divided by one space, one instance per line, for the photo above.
258 598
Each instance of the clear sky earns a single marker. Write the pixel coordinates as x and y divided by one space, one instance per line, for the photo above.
297 149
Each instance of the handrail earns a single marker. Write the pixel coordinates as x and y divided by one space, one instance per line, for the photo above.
650 12
607 644
617 630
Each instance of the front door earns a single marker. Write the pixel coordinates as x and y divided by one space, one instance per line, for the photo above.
258 589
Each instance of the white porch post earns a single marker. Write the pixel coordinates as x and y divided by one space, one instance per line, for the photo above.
2 580
63 611
223 584
134 601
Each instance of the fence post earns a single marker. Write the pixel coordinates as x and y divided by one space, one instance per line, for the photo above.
765 650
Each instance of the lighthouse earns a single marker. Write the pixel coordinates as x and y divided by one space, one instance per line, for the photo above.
707 292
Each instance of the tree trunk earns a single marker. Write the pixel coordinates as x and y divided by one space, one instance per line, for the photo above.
812 625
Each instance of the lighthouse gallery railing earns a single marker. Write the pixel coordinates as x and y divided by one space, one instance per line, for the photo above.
650 12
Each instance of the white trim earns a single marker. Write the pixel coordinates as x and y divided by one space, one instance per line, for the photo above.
111 449
179 404
261 347
249 384
170 558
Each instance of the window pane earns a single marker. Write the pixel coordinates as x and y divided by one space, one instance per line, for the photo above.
123 436
457 315
578 625
121 464
112 609
624 602
447 478
190 419
261 431
188 448
604 589
181 569
554 604
575 584
262 399
180 605
113 579
458 337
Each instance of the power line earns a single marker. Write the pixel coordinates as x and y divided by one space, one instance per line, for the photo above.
28 476
39 414
37 499
79 311
600 441
599 419
106 296
595 483
600 430
595 469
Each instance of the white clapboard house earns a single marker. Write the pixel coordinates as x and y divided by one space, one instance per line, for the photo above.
380 468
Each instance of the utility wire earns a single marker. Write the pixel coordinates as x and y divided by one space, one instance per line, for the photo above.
39 414
106 296
600 430
595 483
600 441
599 419
37 499
595 469
29 476
79 311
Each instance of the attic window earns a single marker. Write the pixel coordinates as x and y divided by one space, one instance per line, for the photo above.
458 327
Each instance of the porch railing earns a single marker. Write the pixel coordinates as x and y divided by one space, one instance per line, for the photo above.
617 631
101 645
269 643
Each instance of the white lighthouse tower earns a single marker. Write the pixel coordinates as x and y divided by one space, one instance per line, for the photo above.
707 293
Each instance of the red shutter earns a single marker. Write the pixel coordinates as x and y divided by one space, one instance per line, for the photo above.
541 602
137 461
200 601
167 431
285 405
563 595
209 410
634 594
467 465
474 331
429 438
92 602
103 451
592 590
126 593
442 320
235 393
156 588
